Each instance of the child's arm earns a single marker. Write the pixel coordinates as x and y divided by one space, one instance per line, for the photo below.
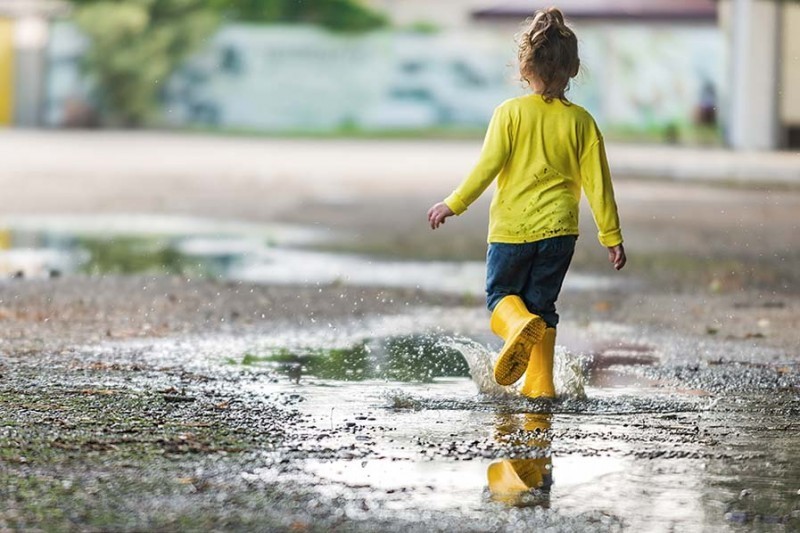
596 181
495 152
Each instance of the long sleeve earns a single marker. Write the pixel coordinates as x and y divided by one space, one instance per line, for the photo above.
495 152
596 182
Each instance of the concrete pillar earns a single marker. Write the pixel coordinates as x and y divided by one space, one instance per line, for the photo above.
755 39
30 42
790 73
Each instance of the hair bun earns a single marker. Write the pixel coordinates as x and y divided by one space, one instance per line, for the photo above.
547 23
554 20
554 16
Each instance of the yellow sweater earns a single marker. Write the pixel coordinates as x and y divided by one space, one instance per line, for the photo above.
542 154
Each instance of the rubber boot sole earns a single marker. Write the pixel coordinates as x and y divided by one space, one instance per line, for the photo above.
514 357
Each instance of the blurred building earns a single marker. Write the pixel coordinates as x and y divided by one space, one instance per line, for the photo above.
641 80
24 33
662 70
643 76
756 97
297 78
655 68
441 14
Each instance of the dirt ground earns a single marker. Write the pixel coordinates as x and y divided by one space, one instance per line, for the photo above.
711 259
109 424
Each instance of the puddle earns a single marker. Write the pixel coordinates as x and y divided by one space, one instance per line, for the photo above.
392 423
645 459
274 254
413 358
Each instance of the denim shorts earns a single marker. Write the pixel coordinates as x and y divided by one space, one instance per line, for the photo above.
533 271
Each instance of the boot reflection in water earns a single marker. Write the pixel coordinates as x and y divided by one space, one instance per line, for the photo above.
523 482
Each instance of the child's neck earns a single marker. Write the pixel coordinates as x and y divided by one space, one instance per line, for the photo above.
540 92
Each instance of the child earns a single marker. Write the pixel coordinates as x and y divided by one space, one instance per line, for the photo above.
542 149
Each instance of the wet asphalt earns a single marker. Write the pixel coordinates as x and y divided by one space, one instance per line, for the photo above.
215 432
190 399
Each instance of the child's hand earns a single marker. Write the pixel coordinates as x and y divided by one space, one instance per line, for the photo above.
438 213
616 254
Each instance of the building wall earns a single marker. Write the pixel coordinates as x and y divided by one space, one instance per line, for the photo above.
636 78
445 14
301 78
651 77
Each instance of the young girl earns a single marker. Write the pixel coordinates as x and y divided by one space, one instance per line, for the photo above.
542 149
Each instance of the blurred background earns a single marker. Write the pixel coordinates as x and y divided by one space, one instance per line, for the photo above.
672 71
332 125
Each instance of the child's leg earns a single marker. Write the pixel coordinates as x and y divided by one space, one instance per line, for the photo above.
507 272
546 276
541 291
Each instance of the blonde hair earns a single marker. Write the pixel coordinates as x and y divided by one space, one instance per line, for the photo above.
548 51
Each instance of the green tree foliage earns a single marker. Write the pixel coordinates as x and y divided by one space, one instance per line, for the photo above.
336 15
136 45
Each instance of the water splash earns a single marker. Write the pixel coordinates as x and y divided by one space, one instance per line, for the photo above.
481 369
570 373
570 370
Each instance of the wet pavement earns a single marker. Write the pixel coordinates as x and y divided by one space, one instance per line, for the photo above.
328 412
379 423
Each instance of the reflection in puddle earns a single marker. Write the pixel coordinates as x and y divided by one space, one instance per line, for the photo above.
523 481
134 255
615 367
236 251
409 358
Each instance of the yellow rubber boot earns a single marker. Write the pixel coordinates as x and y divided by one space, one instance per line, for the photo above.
521 330
539 375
